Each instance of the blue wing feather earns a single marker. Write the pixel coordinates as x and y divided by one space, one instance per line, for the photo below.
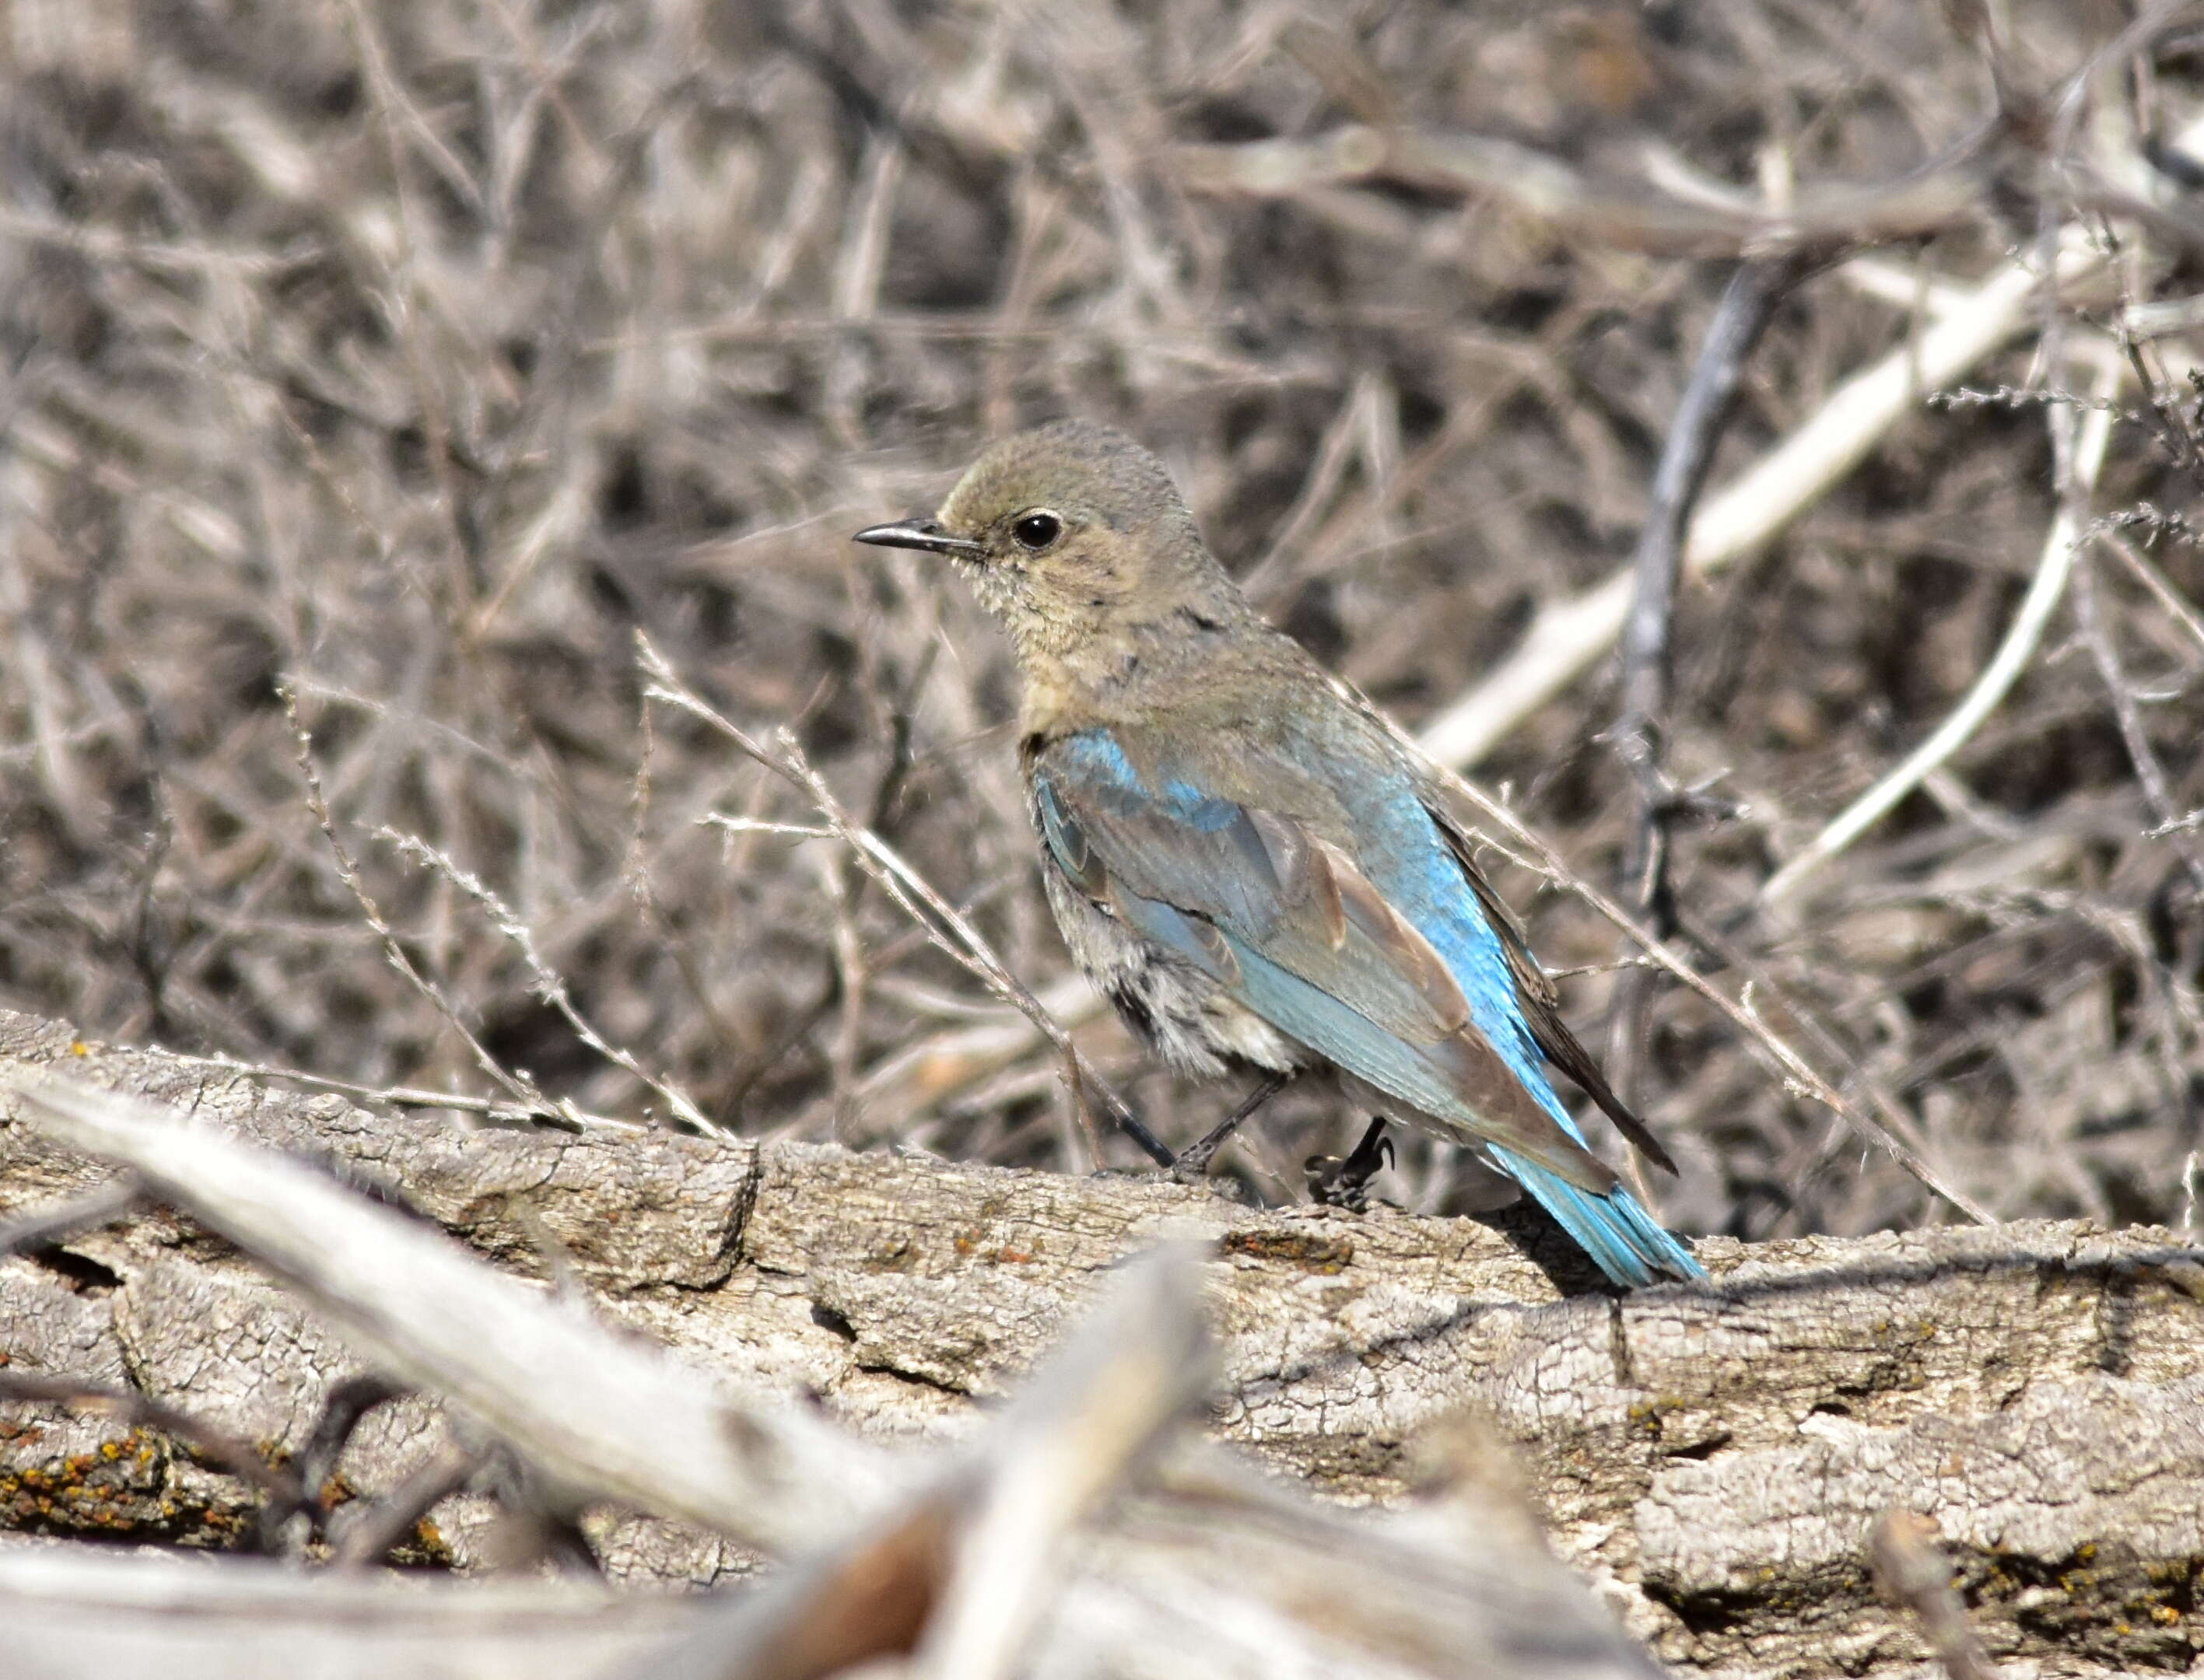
1192 870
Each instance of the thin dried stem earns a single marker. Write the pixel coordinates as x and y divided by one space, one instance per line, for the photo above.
946 926
2052 569
1640 735
1798 1074
516 1086
2150 773
1912 1572
49 1225
1568 635
550 985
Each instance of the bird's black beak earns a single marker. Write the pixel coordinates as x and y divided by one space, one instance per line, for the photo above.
925 533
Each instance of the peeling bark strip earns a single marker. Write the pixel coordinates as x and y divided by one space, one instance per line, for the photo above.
1714 1458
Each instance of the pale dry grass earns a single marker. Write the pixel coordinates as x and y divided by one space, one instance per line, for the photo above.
420 357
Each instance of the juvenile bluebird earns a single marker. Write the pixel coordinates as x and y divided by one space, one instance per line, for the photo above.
1255 867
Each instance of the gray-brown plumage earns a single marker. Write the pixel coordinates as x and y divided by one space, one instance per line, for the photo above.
1254 866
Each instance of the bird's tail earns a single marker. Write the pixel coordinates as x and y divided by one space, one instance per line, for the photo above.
1614 1229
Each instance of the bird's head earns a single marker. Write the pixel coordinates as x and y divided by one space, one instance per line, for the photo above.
1075 539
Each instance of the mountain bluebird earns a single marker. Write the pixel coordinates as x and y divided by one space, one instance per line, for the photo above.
1259 871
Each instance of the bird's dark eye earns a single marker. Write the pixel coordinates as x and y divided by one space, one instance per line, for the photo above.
1037 531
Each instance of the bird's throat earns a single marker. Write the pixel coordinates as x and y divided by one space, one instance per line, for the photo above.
1133 672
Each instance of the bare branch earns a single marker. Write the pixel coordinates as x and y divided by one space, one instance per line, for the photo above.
1637 216
522 1090
946 926
2052 569
1912 1572
50 1225
550 984
1640 734
608 1415
1797 1074
239 1458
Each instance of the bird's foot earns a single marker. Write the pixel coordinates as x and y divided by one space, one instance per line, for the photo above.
1192 1164
1346 1183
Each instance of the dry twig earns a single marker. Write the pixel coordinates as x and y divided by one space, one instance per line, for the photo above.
2052 569
945 925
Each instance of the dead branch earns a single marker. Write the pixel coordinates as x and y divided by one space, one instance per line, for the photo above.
976 1575
1640 734
1718 1450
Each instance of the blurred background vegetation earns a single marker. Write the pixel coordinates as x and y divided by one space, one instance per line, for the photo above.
417 357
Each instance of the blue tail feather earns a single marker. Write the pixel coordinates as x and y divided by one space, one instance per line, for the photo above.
1614 1229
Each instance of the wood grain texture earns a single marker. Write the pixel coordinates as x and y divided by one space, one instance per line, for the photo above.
1712 1457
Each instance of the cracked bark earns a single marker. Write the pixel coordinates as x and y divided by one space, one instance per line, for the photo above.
1712 1458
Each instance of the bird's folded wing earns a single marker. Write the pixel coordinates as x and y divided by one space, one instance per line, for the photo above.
1290 927
1536 990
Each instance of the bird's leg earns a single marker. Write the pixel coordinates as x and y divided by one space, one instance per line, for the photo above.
1193 1162
1346 1183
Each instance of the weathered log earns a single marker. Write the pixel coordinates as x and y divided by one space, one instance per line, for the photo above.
1712 1457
